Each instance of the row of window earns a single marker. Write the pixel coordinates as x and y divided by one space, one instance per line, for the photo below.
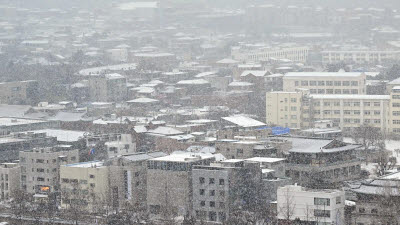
356 103
325 83
212 204
202 180
355 121
212 192
334 91
348 112
212 216
23 160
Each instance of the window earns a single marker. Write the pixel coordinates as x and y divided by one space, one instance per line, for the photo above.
396 113
338 83
221 182
361 210
327 103
346 83
202 203
40 179
222 216
39 160
396 104
322 213
336 112
357 120
354 91
356 112
91 176
201 180
356 103
338 200
347 104
92 185
293 108
346 91
322 201
304 83
239 151
354 83
296 83
212 216
212 204
336 103
329 91
367 112
376 112
347 112
321 83
396 121
367 121
367 103
64 180
293 117
338 91
329 83
327 112
321 91
313 83
222 205
83 181
222 193
313 91
211 181
212 192
202 191
40 170
377 104
374 211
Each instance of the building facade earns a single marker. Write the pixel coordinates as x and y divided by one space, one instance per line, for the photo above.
40 168
311 205
296 54
10 174
360 57
19 92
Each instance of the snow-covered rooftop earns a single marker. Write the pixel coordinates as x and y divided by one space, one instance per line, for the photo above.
91 164
243 121
354 97
322 74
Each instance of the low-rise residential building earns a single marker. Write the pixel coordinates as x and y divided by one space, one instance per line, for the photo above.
217 188
243 149
40 168
310 205
107 88
326 82
85 184
125 144
166 198
10 174
278 165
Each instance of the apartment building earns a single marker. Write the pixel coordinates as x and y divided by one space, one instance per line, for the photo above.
265 53
329 161
128 182
326 82
216 188
125 144
311 205
19 92
10 174
107 88
165 198
40 168
358 56
86 184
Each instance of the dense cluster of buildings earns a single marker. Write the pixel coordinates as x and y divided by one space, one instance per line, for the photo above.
168 109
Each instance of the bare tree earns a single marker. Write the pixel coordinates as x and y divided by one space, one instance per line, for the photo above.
287 209
20 203
76 203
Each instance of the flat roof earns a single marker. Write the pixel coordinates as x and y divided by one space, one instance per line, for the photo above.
322 74
184 157
91 164
244 121
11 121
265 159
310 145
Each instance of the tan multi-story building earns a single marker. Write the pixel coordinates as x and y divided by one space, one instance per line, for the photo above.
10 179
394 111
284 109
345 111
19 92
326 82
351 111
86 184
40 168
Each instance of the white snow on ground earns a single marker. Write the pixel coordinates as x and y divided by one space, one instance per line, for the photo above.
391 145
